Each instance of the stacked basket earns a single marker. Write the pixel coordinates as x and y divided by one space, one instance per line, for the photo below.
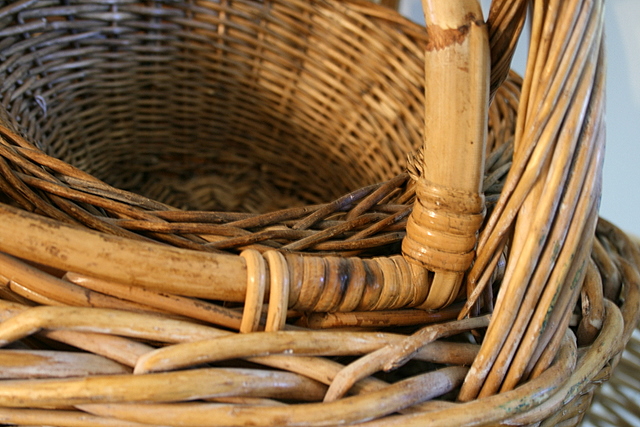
208 216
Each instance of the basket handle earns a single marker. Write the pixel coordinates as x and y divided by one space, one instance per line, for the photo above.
449 208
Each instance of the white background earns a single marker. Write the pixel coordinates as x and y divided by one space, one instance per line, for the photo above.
621 191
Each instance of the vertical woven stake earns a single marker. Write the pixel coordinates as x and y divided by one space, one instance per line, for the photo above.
449 209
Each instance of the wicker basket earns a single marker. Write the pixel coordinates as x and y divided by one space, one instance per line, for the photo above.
175 172
616 403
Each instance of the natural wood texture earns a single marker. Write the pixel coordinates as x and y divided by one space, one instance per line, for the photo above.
187 385
442 229
395 355
23 364
256 287
173 173
127 261
390 3
279 292
362 407
614 404
544 224
67 418
306 343
506 21
179 305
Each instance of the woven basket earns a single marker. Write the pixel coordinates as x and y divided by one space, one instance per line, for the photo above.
616 403
402 232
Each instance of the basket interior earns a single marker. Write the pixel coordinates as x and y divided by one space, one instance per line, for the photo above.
255 108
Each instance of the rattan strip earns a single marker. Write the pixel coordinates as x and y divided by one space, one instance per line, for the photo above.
505 21
541 226
597 357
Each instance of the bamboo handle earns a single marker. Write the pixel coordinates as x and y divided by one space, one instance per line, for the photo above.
449 208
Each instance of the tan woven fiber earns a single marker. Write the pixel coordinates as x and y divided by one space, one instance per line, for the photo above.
309 213
616 403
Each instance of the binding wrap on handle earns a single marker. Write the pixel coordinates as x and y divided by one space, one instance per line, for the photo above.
449 207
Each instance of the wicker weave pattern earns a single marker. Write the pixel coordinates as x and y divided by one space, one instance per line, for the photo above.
615 404
120 118
261 81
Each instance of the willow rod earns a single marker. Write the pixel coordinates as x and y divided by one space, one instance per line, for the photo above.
160 267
